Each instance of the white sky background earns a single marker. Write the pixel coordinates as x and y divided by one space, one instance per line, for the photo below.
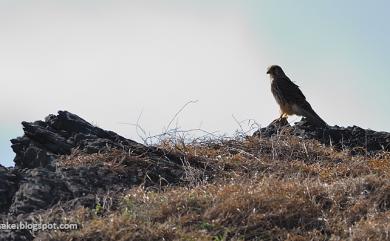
110 62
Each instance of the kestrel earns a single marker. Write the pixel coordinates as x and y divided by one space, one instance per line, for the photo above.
290 98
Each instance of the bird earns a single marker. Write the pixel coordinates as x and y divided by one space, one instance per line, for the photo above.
290 98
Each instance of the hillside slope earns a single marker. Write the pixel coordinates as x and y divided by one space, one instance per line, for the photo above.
283 183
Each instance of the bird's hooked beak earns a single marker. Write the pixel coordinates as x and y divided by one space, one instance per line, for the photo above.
268 71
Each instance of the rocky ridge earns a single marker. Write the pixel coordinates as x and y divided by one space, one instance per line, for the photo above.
40 180
354 137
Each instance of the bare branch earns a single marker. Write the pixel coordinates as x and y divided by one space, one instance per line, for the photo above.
180 110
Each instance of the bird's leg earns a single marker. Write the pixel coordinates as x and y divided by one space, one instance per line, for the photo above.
283 115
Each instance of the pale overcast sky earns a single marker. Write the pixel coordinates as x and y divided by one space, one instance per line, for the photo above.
108 61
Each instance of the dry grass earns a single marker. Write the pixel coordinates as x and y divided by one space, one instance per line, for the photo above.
282 188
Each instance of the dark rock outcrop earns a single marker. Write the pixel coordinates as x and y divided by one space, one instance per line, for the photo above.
40 181
44 141
8 188
355 138
39 188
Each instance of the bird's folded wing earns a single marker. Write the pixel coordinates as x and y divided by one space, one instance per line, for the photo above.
290 91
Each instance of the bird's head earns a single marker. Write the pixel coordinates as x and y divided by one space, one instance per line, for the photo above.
275 71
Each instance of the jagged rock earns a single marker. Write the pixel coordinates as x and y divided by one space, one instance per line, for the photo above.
354 137
15 235
273 128
40 183
8 187
44 141
39 188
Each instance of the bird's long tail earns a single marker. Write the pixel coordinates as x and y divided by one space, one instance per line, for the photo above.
312 116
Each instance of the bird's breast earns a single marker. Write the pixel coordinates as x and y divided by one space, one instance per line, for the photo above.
277 93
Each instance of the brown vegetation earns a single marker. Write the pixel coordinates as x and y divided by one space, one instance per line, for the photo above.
279 188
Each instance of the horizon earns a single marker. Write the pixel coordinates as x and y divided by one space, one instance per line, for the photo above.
119 62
